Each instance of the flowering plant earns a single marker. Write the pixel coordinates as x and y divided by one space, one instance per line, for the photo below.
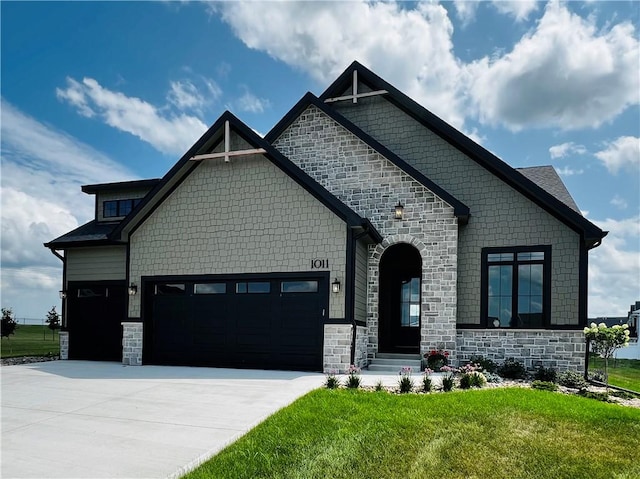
606 340
448 377
353 378
405 384
436 358
427 383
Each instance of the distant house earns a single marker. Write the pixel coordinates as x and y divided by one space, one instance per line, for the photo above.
360 226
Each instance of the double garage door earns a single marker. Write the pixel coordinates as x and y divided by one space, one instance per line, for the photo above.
262 322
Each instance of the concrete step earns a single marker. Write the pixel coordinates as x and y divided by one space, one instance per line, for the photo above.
394 362
410 357
388 368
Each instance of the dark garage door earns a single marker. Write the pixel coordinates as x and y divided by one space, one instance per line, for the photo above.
95 312
262 323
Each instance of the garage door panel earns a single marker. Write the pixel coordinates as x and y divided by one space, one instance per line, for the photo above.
260 323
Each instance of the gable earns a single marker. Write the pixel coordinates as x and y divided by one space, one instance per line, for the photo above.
407 128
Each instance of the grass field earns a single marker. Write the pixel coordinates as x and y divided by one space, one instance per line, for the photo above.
505 433
30 341
624 373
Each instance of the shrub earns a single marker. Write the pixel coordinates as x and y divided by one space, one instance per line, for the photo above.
493 378
405 384
597 375
471 376
544 385
465 381
353 378
427 383
624 395
448 380
379 387
599 396
436 358
488 365
478 380
545 374
511 368
332 381
572 379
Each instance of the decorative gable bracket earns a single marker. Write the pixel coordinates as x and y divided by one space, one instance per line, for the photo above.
355 95
227 153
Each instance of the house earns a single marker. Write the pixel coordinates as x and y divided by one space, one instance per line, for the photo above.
360 225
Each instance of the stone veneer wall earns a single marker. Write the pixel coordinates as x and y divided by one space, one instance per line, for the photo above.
362 343
557 349
64 344
337 348
371 185
132 344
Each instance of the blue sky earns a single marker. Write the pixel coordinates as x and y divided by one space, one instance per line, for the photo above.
97 92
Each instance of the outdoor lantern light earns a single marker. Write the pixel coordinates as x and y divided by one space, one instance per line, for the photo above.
335 286
399 211
133 289
63 294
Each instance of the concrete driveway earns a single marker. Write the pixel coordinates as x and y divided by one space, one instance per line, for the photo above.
83 419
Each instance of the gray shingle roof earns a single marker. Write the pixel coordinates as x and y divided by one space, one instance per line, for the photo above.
547 179
91 231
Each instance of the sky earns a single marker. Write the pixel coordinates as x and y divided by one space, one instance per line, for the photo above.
94 92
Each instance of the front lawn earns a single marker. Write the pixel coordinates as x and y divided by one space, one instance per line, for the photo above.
31 341
499 433
624 373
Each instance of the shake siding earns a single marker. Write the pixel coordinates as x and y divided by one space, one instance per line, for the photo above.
96 263
361 282
246 216
500 216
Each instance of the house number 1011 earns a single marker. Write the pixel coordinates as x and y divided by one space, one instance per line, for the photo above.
319 263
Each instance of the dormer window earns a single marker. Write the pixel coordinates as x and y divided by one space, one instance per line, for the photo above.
119 208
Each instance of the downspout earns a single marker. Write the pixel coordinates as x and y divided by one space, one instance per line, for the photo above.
63 312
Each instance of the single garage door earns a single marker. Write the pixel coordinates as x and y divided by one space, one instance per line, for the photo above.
95 312
259 322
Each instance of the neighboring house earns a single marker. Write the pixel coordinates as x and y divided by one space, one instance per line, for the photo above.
361 224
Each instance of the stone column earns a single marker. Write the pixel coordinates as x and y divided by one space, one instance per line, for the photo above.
132 344
64 344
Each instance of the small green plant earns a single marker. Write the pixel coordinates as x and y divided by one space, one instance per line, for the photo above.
353 378
624 395
572 379
436 358
598 396
8 325
332 381
597 375
405 383
487 365
545 374
511 368
427 382
471 377
544 385
448 378
379 386
493 378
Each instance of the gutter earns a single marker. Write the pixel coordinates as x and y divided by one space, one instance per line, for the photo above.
63 310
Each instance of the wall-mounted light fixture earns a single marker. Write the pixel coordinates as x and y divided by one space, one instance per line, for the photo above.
335 286
133 289
63 294
399 212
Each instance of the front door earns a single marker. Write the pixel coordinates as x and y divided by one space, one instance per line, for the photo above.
399 301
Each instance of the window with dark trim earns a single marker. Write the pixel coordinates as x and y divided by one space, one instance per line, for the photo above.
117 208
253 287
299 287
410 303
516 287
170 289
209 288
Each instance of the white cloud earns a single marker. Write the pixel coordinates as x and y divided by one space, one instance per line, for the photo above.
623 153
411 48
518 9
42 171
614 268
466 10
619 202
251 103
185 95
567 171
565 73
566 149
172 134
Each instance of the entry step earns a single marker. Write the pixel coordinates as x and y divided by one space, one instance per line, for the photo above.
394 362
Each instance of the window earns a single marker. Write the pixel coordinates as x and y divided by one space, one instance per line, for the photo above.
93 292
299 287
516 287
170 289
117 208
410 303
209 288
253 287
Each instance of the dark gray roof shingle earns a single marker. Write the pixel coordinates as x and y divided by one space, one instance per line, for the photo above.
91 231
547 178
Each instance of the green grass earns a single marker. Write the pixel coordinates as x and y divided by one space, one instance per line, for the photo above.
30 341
499 433
624 373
